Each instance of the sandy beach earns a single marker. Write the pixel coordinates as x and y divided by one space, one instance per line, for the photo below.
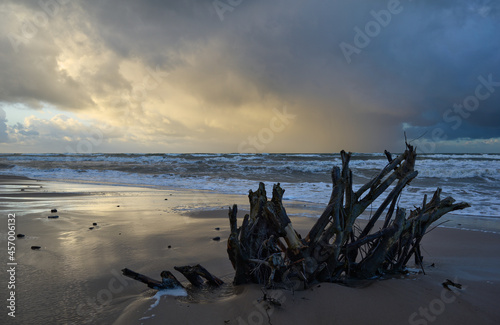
75 277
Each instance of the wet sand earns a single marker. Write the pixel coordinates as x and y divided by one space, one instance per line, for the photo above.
75 277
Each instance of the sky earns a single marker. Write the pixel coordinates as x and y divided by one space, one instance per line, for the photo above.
249 76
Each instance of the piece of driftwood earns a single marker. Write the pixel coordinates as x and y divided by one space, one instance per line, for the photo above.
446 284
266 249
196 274
168 280
193 274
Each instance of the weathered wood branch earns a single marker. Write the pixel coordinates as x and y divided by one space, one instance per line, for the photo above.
193 274
196 274
168 280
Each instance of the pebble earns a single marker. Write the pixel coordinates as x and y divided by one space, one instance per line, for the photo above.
216 238
20 235
35 247
169 246
53 210
91 228
217 228
94 224
53 217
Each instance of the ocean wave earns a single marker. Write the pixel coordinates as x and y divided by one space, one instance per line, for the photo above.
313 192
482 173
306 177
487 156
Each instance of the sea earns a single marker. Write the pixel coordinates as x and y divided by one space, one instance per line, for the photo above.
472 178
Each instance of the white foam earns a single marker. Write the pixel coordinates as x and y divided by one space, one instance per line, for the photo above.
461 156
177 292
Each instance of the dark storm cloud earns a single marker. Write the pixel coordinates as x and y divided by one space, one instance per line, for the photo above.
28 61
150 29
424 58
32 77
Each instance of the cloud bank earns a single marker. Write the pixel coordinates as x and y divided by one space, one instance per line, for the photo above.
202 76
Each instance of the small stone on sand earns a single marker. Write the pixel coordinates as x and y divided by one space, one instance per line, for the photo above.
35 247
94 224
53 217
216 238
53 210
20 235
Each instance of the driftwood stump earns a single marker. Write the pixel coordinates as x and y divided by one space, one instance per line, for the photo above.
266 249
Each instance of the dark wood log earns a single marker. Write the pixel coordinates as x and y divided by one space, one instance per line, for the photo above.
168 281
375 262
326 216
388 155
237 255
393 195
196 274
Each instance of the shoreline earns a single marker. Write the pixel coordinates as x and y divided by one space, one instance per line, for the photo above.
150 230
304 209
